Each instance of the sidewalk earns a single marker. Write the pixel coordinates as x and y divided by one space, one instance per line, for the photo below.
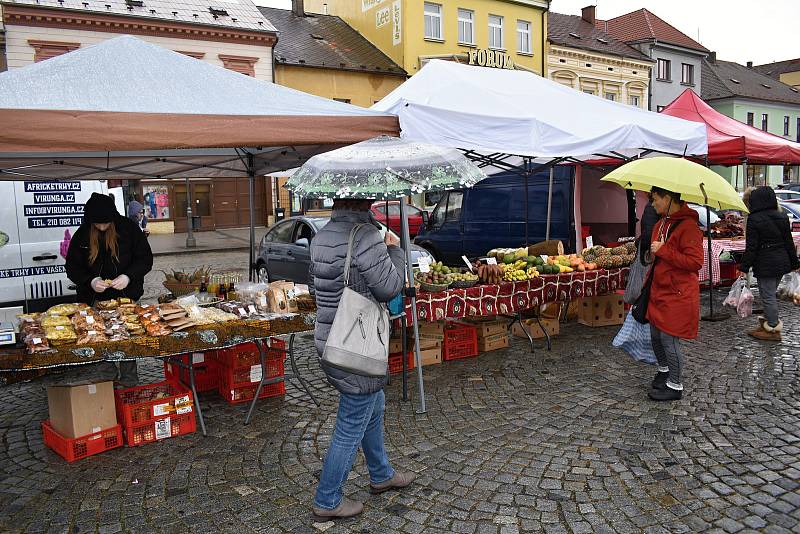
232 239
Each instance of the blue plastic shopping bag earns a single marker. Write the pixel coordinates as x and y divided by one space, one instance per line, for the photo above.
634 338
396 305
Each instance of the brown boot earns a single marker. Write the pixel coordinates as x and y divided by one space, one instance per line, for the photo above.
398 481
767 332
346 508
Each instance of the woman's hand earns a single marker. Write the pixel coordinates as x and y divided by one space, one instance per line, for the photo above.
390 239
121 282
655 245
98 285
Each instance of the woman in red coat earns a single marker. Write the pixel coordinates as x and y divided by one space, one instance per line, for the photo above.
674 306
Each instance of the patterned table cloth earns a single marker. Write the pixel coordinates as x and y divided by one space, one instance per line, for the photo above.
718 246
513 297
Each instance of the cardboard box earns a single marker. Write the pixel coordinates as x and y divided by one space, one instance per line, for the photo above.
431 329
430 356
495 342
78 409
550 310
551 326
488 327
605 310
395 345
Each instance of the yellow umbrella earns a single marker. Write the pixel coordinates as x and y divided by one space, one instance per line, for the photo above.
695 183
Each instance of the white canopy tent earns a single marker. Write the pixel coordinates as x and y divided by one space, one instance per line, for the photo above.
520 122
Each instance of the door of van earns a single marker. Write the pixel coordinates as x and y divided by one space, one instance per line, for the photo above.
48 214
12 287
446 228
490 211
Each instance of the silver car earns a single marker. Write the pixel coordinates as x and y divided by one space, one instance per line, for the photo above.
283 253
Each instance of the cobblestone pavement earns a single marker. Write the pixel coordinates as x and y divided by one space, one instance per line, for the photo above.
564 441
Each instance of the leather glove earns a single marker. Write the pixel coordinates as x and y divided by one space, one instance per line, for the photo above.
121 282
98 285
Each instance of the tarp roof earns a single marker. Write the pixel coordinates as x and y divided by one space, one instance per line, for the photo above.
129 104
516 112
731 142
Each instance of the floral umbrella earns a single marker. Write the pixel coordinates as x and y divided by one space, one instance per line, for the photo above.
384 168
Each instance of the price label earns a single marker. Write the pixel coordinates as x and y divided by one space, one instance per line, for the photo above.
183 405
491 261
198 357
262 301
255 373
114 327
424 265
163 428
37 340
469 263
242 312
544 257
89 319
91 333
59 327
251 309
589 242
162 409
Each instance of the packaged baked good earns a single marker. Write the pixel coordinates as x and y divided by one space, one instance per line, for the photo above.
62 309
91 336
36 344
107 304
48 321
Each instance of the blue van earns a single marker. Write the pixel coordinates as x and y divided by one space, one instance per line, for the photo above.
492 214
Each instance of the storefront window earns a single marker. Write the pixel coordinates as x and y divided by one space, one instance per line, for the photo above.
156 201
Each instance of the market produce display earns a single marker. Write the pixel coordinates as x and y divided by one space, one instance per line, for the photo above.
729 226
610 258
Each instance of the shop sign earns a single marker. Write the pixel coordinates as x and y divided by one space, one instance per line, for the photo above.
366 5
397 35
383 17
491 58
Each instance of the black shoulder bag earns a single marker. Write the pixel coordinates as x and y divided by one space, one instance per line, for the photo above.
639 307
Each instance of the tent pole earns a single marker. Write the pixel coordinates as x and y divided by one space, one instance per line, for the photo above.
712 317
251 178
406 243
527 220
190 240
549 202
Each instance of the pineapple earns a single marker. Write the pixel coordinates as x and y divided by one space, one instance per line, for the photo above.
589 258
629 258
604 262
603 251
619 251
631 247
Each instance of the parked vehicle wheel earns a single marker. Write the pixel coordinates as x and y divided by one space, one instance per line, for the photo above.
261 272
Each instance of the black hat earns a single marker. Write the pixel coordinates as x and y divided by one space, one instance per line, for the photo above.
99 209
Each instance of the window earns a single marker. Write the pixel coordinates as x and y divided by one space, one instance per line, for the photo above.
156 201
611 96
687 74
523 37
751 118
786 125
634 101
47 49
343 100
797 129
764 121
303 231
466 29
659 109
588 91
242 64
453 213
433 21
495 32
281 233
664 67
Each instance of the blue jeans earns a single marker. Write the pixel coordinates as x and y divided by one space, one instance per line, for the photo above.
358 422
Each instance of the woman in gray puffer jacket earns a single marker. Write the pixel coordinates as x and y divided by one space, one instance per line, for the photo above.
377 273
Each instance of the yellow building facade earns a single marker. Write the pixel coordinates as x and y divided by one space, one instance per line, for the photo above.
494 33
358 88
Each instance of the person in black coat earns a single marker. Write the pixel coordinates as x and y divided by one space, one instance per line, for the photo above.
771 253
649 219
108 258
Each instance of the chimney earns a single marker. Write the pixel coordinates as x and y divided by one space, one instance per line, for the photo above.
712 57
298 9
587 14
749 64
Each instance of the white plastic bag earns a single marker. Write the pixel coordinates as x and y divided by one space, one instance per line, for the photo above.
745 305
732 299
790 287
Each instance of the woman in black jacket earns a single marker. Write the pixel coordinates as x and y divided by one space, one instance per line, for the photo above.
771 253
108 258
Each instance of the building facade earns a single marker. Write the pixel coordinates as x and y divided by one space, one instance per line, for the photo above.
493 33
743 93
677 58
787 71
587 59
235 36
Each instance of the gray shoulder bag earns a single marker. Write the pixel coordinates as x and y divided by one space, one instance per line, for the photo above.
358 342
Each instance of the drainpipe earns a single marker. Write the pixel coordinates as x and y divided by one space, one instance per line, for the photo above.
652 82
544 39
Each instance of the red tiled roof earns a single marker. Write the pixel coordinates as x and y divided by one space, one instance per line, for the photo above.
643 25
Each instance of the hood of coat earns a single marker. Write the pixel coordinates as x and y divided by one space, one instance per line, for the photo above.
763 198
685 213
134 209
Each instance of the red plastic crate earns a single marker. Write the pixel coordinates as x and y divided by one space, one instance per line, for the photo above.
147 403
246 354
75 449
163 428
621 292
206 374
396 362
460 341
236 395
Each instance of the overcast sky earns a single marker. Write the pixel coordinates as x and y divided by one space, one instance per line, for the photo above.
738 30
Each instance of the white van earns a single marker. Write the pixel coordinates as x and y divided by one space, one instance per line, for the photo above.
36 220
